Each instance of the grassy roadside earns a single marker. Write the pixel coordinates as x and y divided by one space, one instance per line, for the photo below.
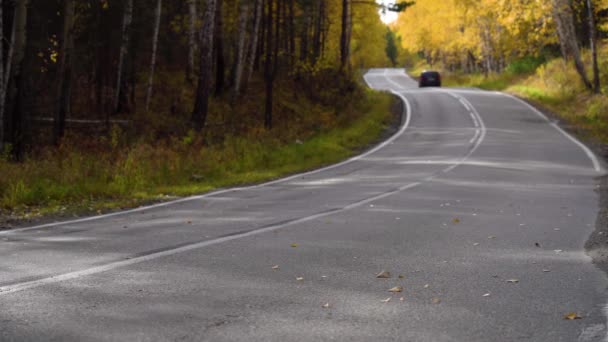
72 182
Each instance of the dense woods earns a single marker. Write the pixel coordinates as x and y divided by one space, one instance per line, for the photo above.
109 104
488 35
162 68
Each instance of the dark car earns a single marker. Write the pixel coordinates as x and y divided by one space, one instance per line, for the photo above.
429 79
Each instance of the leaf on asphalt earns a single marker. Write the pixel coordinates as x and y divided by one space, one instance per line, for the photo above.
275 267
435 300
557 250
299 278
386 300
294 245
572 316
401 276
402 299
513 281
325 306
384 275
476 244
556 229
456 220
188 222
546 271
426 286
491 237
486 295
396 289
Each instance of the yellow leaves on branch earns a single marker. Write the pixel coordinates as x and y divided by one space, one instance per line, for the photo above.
454 29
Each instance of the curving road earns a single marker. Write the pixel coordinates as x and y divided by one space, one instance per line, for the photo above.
479 207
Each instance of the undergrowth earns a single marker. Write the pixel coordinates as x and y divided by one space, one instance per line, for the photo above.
117 171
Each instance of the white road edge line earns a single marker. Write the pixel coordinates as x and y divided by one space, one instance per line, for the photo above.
136 260
597 165
219 192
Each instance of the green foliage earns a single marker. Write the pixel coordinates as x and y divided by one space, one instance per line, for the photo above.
525 65
391 46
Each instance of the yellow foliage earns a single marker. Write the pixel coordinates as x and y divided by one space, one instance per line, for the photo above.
450 30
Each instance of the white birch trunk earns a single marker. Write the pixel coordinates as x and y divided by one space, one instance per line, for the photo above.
157 17
254 39
241 48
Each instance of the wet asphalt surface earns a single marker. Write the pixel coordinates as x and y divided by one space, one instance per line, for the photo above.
478 207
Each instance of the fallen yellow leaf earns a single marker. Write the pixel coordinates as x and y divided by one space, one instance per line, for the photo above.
435 300
396 289
384 275
294 245
513 281
572 316
456 220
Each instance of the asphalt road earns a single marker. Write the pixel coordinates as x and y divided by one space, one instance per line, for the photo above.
479 207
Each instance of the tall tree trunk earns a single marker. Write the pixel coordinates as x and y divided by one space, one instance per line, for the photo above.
16 90
240 58
2 92
220 67
6 78
157 17
268 72
305 36
253 47
292 38
193 16
124 52
345 36
65 71
201 106
593 38
564 19
318 30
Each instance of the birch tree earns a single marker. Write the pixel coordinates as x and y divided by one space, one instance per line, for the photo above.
201 106
124 52
253 47
64 84
157 17
240 63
